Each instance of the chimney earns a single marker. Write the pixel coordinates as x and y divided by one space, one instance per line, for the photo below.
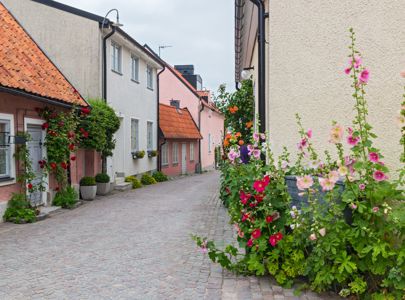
175 103
188 73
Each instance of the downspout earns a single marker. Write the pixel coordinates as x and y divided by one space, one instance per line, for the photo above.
262 63
104 96
237 86
159 159
199 128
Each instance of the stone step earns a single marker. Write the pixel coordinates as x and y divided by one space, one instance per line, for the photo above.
119 180
124 186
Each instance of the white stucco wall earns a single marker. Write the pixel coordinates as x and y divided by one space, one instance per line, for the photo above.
72 42
306 56
131 100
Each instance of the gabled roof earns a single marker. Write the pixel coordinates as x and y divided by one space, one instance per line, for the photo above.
25 67
177 123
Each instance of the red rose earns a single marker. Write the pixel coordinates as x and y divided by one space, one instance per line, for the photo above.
256 234
85 110
71 134
259 197
64 165
269 219
73 158
85 134
53 165
278 236
61 123
250 243
252 204
245 217
71 147
272 240
45 126
53 115
29 186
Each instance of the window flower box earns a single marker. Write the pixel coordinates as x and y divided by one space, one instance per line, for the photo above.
138 154
152 153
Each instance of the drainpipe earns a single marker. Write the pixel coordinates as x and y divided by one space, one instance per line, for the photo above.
237 86
199 128
262 63
104 96
159 159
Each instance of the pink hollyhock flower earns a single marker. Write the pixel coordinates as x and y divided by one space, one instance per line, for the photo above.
312 237
376 209
373 157
402 73
343 170
250 243
322 231
333 176
284 164
236 226
326 184
352 141
353 206
269 219
263 136
304 182
244 197
362 186
256 234
272 240
336 134
379 175
256 153
309 133
232 155
256 136
364 76
347 70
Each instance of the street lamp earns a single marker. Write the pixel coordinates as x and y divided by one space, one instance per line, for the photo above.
245 74
114 24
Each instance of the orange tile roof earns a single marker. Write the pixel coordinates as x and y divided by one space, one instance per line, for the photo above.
177 123
24 66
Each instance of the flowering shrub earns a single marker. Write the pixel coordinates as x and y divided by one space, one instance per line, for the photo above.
346 235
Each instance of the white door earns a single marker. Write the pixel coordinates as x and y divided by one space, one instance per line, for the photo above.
183 158
35 150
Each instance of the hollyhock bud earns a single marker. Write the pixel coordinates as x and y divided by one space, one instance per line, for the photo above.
353 206
362 186
309 133
402 73
259 197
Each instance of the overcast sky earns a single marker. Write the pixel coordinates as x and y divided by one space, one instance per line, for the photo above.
200 31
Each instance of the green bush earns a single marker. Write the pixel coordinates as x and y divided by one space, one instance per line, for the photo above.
147 179
102 178
160 177
136 184
66 199
19 210
87 181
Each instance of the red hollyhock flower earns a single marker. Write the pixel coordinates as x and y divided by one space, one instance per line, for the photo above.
245 217
259 197
256 234
29 186
82 129
85 110
64 165
249 243
278 236
273 240
266 179
71 147
73 158
85 134
244 197
260 185
53 165
45 125
269 219
252 204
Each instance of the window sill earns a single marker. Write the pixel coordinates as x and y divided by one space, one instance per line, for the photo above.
175 164
192 160
150 89
7 181
165 165
116 72
136 81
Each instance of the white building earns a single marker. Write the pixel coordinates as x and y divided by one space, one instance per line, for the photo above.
74 40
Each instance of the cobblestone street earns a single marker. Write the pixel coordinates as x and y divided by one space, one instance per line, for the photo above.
132 245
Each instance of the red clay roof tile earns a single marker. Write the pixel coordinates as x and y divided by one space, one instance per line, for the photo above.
177 123
24 66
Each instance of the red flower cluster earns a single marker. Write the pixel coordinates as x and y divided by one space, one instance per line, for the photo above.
42 164
53 165
85 110
84 132
275 238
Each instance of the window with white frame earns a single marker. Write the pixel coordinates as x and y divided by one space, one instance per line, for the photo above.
209 142
5 149
149 77
134 135
191 151
134 68
175 153
165 156
116 57
150 135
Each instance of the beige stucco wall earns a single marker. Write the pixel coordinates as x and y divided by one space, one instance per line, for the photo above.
72 42
307 55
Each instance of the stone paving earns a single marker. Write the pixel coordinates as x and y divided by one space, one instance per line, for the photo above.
131 245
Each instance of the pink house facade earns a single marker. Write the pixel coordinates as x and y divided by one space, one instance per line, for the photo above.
174 89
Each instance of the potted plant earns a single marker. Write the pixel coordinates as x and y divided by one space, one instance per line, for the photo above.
88 188
152 153
138 154
103 184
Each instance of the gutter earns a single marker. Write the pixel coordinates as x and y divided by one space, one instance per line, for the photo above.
159 160
104 96
199 141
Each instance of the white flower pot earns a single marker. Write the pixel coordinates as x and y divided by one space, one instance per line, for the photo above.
103 188
88 192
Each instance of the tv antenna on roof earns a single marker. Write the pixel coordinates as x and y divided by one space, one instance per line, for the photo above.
163 47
